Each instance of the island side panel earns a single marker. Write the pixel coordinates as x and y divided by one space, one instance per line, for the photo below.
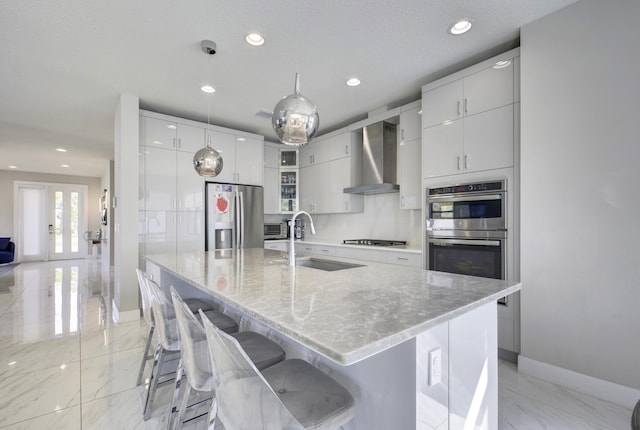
432 397
473 369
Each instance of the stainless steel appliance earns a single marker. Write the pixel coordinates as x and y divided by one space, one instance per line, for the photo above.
275 230
466 229
234 216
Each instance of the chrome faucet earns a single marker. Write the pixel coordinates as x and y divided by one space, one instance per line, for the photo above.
292 227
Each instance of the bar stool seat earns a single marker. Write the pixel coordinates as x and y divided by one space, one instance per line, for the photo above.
291 394
635 419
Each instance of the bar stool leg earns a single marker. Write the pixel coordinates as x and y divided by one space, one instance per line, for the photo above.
184 405
145 356
213 412
175 402
153 380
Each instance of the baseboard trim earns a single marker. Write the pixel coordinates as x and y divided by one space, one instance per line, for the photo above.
122 317
605 390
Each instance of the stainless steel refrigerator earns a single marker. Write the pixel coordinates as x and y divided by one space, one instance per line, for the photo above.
234 216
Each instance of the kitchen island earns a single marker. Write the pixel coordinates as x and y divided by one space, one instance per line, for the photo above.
418 349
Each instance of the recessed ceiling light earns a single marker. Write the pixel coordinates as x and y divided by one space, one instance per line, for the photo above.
241 139
157 142
61 150
13 167
353 82
254 39
208 89
64 165
460 27
502 64
172 127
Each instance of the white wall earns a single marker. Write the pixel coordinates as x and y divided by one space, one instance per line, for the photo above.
125 237
381 218
580 199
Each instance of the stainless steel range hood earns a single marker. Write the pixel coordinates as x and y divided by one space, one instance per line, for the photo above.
379 156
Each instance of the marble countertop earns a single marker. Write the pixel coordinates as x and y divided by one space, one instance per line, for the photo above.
345 315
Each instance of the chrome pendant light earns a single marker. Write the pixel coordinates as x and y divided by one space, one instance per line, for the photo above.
207 161
295 118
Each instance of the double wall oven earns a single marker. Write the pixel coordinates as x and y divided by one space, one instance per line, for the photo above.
466 229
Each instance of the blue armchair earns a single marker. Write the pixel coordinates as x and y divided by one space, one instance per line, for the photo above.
7 250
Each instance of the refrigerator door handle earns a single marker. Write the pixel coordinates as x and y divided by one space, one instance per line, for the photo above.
241 244
236 221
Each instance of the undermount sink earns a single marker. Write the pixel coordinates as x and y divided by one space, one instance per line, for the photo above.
326 265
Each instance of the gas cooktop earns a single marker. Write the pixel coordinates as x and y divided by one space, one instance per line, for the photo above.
376 242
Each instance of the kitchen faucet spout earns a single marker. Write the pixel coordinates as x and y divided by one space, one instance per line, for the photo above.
292 250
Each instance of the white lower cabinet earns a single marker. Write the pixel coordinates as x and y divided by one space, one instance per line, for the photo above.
399 257
404 258
277 246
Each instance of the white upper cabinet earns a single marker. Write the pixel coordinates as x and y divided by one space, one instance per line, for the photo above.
190 138
410 124
341 146
271 157
478 92
242 158
442 104
488 89
316 152
158 133
171 134
468 123
410 158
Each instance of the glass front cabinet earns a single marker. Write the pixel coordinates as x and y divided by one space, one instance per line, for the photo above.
289 176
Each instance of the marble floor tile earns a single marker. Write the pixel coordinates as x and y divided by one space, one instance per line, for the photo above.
114 338
109 374
31 394
49 318
64 419
533 403
22 357
121 411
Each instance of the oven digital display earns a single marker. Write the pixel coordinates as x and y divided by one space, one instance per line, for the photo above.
464 210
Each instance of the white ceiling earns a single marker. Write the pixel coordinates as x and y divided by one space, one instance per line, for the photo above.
64 63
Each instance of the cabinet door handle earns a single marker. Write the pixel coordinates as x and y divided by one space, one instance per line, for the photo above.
179 143
458 107
466 105
402 201
458 162
238 176
346 149
466 163
402 134
402 258
174 142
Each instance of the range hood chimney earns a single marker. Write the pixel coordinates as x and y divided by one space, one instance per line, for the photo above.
379 155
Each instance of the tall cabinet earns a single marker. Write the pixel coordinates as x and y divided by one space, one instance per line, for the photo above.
171 196
471 133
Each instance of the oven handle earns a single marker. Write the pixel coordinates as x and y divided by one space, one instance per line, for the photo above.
476 197
446 242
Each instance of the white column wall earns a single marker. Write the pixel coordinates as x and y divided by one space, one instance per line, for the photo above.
580 266
125 297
